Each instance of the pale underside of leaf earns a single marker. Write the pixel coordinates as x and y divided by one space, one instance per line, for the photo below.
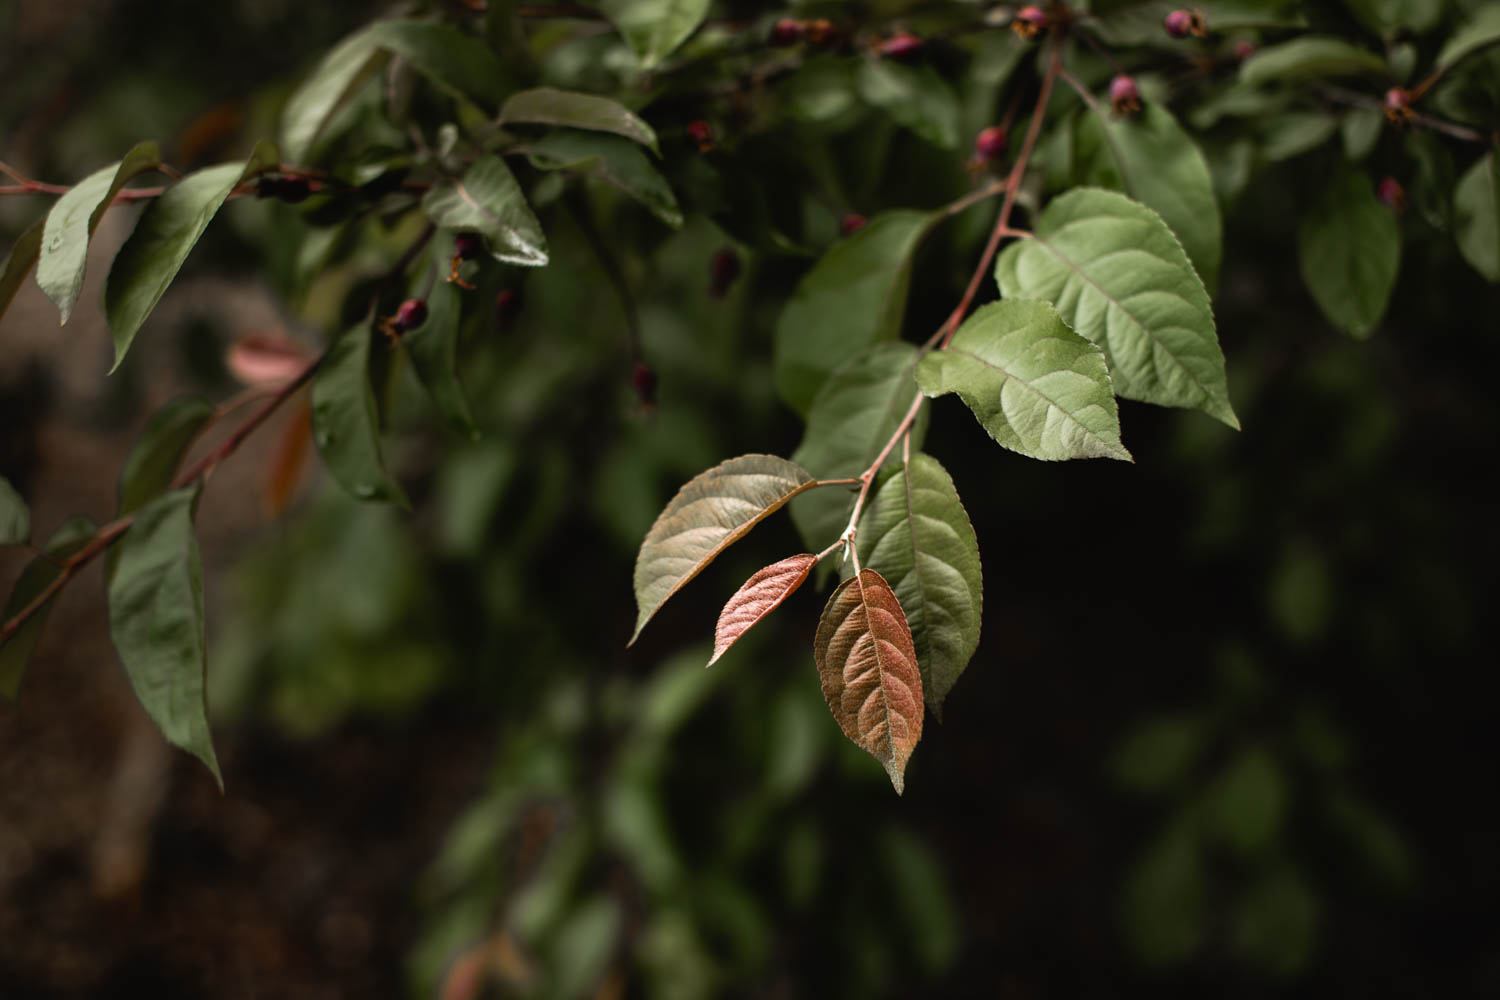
711 512
868 668
761 594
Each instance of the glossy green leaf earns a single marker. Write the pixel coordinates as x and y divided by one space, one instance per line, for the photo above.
712 511
1117 275
611 159
1309 57
1292 133
853 297
655 28
459 63
489 201
164 236
549 106
72 221
341 72
917 535
1388 17
868 669
15 516
916 97
433 348
1360 130
156 621
1482 30
152 464
1349 248
1037 387
18 263
1476 214
758 597
1149 157
346 424
853 416
16 650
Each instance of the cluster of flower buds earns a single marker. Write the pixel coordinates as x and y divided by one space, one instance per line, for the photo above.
1181 23
1124 96
466 246
790 31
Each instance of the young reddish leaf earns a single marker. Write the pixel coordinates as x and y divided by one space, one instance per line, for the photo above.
761 594
715 509
868 666
266 358
290 460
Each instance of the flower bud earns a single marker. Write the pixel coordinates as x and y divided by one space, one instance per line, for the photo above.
702 135
1398 105
1391 194
989 144
787 31
467 246
851 223
643 381
1124 96
409 315
1029 22
901 46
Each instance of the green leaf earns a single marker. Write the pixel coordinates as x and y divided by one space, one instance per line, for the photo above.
853 416
1118 276
1349 248
1160 753
917 535
1309 57
15 651
342 72
1476 210
1149 157
613 160
459 63
1361 129
917 98
18 263
1246 801
433 347
853 297
868 668
346 425
152 464
1293 133
164 236
1038 388
655 28
1482 31
489 201
711 512
1388 17
548 106
156 621
72 221
15 516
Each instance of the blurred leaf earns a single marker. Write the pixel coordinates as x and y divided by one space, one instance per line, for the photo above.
548 106
1361 129
1276 923
655 28
156 621
711 512
15 516
459 63
1433 185
1476 217
433 348
1372 836
1246 801
853 297
1309 57
290 459
489 201
72 221
1160 753
1119 277
853 416
1149 157
918 98
346 425
18 262
1037 387
868 667
924 905
1482 30
1301 593
758 597
164 236
614 160
1349 249
582 947
1165 913
72 535
795 745
916 534
340 73
149 470
1293 133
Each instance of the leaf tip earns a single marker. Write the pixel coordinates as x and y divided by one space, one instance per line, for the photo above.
898 776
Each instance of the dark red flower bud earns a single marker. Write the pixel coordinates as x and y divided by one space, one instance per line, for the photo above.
901 46
1029 22
643 381
409 315
1179 23
851 224
467 246
507 304
989 144
1391 194
787 31
722 271
1124 96
702 134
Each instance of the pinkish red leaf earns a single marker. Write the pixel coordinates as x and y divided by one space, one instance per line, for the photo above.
760 595
266 358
